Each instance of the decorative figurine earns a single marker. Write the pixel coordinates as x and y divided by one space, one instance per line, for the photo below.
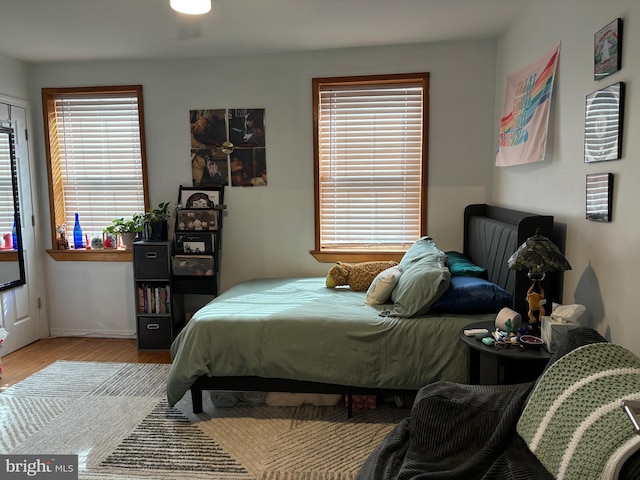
536 309
510 327
63 243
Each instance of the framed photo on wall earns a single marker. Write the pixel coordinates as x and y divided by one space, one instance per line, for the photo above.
599 196
607 50
603 122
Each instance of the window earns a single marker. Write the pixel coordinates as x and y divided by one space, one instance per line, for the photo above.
370 154
96 155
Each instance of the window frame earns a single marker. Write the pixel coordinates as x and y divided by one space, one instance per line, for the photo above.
56 206
331 256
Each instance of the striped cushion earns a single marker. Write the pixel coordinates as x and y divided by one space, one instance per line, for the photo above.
574 422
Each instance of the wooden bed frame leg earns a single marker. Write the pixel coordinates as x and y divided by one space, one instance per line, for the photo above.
196 400
349 405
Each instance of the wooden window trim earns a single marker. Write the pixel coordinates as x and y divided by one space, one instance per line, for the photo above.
329 256
54 178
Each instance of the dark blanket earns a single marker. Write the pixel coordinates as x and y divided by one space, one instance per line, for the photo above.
464 432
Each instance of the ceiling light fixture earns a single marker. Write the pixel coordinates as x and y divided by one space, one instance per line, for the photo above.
191 7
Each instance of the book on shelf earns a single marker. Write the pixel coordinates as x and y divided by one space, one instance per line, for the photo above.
154 298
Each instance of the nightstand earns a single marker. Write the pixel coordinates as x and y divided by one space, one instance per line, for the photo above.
489 365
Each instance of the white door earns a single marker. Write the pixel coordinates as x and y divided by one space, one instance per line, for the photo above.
19 313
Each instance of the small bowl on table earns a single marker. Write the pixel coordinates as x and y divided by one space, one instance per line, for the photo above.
531 342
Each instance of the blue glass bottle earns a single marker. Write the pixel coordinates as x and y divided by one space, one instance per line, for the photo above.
14 236
78 239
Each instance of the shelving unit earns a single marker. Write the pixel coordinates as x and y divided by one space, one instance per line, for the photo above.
198 240
159 311
167 272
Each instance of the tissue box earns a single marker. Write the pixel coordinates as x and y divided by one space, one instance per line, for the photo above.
553 332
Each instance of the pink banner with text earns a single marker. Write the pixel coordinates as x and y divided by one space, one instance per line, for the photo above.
525 114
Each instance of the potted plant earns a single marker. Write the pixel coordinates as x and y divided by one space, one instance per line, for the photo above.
128 230
156 223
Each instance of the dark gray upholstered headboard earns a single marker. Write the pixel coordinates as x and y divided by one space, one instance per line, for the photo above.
492 234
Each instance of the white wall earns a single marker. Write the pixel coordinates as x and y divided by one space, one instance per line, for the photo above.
269 231
604 256
13 78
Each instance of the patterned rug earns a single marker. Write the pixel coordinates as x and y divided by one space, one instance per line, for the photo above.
115 417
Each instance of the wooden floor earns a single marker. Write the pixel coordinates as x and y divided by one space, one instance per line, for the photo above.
20 364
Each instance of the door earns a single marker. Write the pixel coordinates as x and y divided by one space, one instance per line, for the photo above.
19 313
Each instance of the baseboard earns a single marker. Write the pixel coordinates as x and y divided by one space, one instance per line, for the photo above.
97 334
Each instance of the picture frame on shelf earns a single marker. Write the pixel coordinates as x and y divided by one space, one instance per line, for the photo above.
607 50
194 242
193 198
194 220
603 124
599 197
193 265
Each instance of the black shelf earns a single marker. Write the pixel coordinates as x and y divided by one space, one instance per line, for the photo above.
197 285
159 309
198 234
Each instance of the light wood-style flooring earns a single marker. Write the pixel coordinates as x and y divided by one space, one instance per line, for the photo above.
20 364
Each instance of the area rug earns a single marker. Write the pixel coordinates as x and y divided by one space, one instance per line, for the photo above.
115 417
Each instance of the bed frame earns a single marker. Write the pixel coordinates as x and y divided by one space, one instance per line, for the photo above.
491 235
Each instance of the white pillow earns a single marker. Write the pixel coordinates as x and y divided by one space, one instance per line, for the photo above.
381 287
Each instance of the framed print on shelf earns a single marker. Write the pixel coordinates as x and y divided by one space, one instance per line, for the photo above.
604 113
200 197
197 220
607 50
599 196
193 265
195 242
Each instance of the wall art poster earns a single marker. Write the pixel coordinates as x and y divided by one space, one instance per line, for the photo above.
525 113
228 147
599 197
603 124
607 46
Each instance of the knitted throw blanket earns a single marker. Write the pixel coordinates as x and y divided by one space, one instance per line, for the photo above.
574 422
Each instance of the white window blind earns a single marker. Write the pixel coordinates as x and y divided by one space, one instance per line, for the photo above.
370 142
6 186
100 158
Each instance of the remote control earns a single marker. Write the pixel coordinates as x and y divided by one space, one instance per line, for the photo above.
474 331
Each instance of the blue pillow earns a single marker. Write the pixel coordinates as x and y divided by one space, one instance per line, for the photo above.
472 295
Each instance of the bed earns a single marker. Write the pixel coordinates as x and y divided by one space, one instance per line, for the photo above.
296 335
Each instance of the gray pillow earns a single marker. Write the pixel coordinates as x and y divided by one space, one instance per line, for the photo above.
421 248
420 285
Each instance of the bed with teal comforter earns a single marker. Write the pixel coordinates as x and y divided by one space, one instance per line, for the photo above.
297 329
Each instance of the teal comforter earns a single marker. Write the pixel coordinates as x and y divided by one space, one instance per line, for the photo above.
296 328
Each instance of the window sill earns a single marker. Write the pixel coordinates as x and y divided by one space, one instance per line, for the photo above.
8 256
104 255
369 256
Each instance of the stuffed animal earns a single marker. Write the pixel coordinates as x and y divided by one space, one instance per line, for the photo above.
357 275
63 243
536 301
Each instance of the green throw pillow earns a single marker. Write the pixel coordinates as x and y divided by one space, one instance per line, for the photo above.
461 266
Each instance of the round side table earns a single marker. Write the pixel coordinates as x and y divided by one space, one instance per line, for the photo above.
489 365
